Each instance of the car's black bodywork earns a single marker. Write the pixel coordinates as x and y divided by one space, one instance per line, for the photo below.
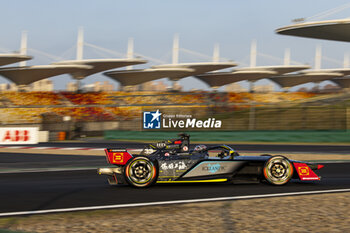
172 161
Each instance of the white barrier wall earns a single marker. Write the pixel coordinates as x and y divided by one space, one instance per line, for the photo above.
19 135
43 136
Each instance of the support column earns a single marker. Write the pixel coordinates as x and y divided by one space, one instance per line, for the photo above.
216 53
253 54
23 50
286 61
176 49
318 57
130 52
346 60
80 44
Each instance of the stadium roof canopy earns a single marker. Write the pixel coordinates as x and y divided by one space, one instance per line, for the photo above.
6 59
284 69
343 82
135 77
291 80
28 74
217 79
338 30
198 68
344 71
99 65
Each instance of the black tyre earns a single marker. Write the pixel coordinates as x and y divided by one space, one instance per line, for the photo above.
278 170
140 172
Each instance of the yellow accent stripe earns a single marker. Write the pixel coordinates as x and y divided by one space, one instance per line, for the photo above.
192 181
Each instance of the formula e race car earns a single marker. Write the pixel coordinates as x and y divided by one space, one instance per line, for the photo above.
172 161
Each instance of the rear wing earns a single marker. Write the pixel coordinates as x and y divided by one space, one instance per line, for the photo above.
117 156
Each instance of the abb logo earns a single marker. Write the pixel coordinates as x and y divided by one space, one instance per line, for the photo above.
19 135
16 136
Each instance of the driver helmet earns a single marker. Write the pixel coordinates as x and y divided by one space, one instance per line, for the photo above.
200 148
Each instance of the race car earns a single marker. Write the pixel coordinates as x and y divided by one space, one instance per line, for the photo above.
172 161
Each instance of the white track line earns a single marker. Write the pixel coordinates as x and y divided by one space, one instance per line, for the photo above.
41 147
41 170
15 147
169 202
71 148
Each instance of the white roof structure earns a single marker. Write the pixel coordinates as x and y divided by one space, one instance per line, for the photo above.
338 30
6 59
344 71
135 77
198 68
287 81
283 69
99 65
172 71
217 79
306 76
343 82
29 74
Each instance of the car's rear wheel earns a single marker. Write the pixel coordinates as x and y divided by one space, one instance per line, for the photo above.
278 170
140 172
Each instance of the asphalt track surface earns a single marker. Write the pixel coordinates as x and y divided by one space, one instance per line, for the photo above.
30 191
238 147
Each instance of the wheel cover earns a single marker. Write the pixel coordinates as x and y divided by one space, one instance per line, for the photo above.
278 170
140 172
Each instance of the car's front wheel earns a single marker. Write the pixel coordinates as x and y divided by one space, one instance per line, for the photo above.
278 170
140 172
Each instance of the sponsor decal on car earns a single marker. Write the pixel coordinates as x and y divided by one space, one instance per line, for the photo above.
304 171
174 165
218 167
118 157
213 168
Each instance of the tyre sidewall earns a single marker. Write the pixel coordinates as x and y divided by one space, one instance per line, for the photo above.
274 180
127 170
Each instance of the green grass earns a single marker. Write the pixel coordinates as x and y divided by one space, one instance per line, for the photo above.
335 136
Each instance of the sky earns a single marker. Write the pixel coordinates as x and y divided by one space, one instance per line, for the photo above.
52 28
